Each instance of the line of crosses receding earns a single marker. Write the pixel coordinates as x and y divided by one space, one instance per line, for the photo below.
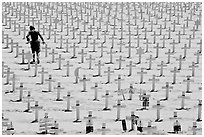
174 26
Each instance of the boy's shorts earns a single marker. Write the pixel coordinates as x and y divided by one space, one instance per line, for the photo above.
35 46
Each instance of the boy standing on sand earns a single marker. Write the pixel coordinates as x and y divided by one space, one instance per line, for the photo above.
35 43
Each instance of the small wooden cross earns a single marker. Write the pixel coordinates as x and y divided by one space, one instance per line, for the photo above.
158 107
174 44
36 108
13 83
42 72
82 55
111 56
183 97
154 80
198 54
157 50
120 62
77 112
61 42
84 80
180 59
199 111
50 80
102 47
140 51
11 43
96 91
67 65
106 96
188 80
68 97
162 65
185 50
142 74
99 68
3 66
90 61
129 50
53 55
94 46
28 56
21 88
189 42
28 99
46 49
8 72
23 57
60 62
174 74
118 106
167 87
58 88
74 50
108 76
130 68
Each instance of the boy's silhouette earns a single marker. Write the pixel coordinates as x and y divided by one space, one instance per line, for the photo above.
35 43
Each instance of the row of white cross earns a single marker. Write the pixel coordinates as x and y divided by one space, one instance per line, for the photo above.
93 29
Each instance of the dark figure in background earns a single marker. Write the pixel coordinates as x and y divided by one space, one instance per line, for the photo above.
35 43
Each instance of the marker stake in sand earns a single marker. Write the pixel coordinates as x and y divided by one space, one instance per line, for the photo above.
199 110
42 72
150 62
106 96
68 97
36 108
119 63
108 76
174 74
21 88
8 72
142 75
77 112
53 55
154 80
167 87
158 107
99 68
183 97
162 65
188 80
118 106
28 56
58 88
28 99
130 68
84 80
23 57
68 68
96 91
50 80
